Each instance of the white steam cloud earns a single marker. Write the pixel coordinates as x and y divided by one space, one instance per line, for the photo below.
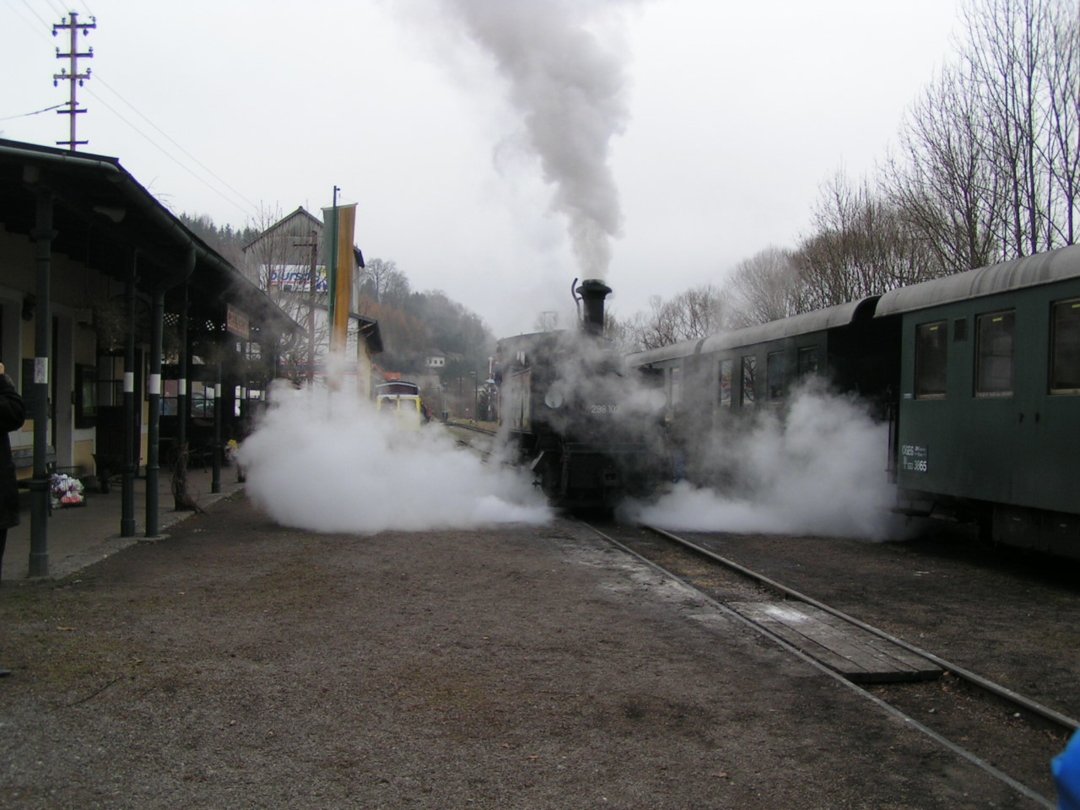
820 470
570 92
330 463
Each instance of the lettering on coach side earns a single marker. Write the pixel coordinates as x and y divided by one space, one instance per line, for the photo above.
914 458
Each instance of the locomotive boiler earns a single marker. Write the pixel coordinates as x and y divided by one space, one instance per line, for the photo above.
573 415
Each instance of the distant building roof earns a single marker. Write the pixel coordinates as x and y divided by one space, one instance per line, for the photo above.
300 213
304 216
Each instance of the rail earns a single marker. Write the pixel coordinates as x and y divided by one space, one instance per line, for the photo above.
936 728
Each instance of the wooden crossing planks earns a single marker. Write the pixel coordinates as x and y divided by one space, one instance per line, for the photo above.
858 655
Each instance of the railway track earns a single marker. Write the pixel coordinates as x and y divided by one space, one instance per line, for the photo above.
1006 734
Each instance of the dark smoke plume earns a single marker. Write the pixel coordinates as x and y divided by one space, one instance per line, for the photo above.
570 91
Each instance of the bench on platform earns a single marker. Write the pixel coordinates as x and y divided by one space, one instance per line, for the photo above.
23 458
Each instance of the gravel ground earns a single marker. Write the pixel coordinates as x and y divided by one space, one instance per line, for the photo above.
241 664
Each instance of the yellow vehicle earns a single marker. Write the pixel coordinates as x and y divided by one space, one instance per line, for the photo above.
402 401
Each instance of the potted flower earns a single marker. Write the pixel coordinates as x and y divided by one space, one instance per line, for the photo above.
65 491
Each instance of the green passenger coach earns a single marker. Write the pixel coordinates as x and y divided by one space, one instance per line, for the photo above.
976 374
989 408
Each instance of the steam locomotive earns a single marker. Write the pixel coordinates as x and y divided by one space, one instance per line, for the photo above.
571 413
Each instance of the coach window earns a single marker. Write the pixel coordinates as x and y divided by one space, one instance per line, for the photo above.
1065 350
994 354
725 384
774 374
930 355
676 387
807 361
749 373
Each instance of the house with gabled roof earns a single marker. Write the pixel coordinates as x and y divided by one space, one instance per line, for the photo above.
287 261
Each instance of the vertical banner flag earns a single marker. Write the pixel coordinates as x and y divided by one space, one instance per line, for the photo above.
338 254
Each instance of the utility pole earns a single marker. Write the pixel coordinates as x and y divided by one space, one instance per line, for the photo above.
74 78
312 243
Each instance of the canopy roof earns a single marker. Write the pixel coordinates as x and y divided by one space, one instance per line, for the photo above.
102 217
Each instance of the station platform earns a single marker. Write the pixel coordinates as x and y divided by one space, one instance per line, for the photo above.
78 536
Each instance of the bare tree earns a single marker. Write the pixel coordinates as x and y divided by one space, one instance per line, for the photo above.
763 288
989 167
862 246
948 189
1062 149
695 313
701 311
651 329
383 282
1005 54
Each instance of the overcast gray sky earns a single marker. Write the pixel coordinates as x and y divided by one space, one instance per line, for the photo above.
444 120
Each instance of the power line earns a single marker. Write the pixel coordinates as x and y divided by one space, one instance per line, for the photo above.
57 7
35 112
32 10
247 207
246 210
166 135
60 9
40 31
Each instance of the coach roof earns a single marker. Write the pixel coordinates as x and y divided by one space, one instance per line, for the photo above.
804 323
816 321
1030 271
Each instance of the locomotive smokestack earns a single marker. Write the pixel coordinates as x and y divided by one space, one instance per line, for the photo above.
593 292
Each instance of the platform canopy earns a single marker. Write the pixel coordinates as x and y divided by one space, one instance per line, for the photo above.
102 216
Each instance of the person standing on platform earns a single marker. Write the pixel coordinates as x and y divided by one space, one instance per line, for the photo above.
12 416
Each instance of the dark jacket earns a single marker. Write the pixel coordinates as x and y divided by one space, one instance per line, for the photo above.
12 415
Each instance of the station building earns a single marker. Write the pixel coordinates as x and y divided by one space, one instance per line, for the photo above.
129 337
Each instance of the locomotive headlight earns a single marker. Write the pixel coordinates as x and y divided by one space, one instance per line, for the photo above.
553 398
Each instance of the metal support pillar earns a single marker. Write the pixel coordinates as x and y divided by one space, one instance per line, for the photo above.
182 406
153 391
127 486
215 478
39 410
